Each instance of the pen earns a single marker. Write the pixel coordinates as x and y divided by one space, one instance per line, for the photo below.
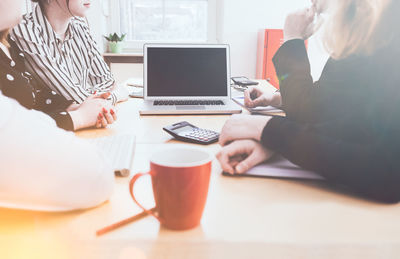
123 222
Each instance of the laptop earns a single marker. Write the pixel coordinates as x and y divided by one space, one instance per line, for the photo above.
187 79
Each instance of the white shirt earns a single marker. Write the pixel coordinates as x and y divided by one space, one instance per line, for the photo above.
43 167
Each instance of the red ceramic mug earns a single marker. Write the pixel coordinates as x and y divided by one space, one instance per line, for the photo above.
180 177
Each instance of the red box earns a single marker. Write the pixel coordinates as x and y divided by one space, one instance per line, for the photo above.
269 41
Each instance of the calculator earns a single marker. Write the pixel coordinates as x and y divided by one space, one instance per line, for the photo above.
187 132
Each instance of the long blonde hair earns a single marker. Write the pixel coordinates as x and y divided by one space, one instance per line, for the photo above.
358 26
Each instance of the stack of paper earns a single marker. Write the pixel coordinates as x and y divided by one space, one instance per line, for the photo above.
279 167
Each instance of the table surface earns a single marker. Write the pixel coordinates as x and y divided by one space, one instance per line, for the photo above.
243 218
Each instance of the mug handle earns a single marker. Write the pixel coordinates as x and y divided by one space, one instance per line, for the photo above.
131 186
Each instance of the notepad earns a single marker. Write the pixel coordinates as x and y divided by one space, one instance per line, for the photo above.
257 110
279 167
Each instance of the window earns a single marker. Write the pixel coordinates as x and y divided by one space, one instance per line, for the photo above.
167 21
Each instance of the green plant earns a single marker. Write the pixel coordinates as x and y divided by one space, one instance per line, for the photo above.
115 38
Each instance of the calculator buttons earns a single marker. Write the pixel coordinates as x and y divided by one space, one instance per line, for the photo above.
193 134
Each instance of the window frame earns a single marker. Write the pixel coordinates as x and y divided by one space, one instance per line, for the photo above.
113 21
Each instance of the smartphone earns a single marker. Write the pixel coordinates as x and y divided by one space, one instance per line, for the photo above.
243 81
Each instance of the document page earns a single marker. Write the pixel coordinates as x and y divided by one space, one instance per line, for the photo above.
279 167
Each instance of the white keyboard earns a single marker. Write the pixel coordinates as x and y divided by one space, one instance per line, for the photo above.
119 149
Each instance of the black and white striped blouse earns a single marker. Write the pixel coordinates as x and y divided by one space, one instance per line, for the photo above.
72 67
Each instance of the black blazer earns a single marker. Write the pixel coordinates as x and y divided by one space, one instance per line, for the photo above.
345 126
17 83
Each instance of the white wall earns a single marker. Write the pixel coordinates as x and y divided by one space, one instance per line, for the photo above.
98 22
238 24
242 19
99 27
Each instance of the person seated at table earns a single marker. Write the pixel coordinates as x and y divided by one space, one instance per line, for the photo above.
16 82
43 167
61 52
345 126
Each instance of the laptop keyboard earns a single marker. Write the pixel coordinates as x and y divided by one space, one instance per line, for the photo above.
189 102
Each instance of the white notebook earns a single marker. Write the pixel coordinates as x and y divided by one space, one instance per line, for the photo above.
258 110
279 167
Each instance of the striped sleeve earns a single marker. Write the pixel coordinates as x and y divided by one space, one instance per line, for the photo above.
44 64
99 73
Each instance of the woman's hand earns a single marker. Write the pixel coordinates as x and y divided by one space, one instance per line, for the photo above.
299 25
108 116
243 127
240 156
94 111
256 96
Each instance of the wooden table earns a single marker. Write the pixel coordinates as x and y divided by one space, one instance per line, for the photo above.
243 218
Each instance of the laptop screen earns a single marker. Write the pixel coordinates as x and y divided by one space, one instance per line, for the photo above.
186 71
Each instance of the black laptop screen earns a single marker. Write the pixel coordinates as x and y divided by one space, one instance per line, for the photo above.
186 72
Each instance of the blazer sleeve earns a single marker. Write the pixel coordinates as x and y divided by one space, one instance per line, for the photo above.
55 106
62 119
369 167
300 96
99 73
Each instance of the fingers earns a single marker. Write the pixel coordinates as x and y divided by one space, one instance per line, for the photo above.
261 101
101 121
113 114
107 115
307 14
247 99
315 23
104 122
257 154
250 95
105 95
314 7
254 97
247 163
319 6
234 161
233 154
240 156
102 95
223 159
310 14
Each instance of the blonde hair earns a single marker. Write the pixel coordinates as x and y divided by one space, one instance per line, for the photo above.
357 26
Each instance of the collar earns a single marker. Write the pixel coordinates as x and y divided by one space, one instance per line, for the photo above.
47 30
